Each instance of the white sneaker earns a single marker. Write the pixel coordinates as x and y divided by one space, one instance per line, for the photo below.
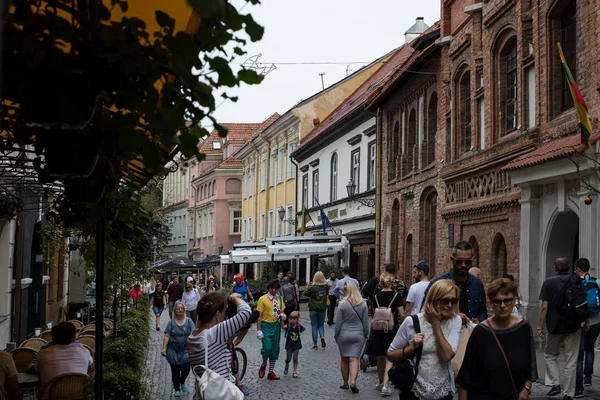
378 386
386 392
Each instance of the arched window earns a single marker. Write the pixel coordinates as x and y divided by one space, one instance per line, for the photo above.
388 239
214 189
563 29
395 232
408 260
233 186
428 148
499 258
391 149
507 79
411 142
208 190
568 29
427 228
334 177
463 143
473 242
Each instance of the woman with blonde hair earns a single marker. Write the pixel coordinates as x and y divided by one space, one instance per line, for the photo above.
434 345
351 331
317 305
381 339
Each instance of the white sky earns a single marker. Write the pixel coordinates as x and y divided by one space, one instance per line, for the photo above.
318 31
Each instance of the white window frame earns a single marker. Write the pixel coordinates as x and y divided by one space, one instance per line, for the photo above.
290 165
315 187
245 231
263 171
262 226
232 220
290 217
250 236
355 168
333 176
305 190
280 165
270 224
279 226
210 224
272 170
372 154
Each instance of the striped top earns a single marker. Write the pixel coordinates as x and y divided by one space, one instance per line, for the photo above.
219 356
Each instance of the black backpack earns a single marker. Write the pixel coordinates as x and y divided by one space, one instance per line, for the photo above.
574 309
404 372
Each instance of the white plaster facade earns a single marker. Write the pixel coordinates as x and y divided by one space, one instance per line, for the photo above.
175 199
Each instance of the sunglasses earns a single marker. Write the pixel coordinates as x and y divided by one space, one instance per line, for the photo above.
461 261
506 302
447 301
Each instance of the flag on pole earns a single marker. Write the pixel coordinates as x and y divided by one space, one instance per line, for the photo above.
582 111
324 220
306 218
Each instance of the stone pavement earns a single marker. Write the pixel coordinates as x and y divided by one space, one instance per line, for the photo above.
318 370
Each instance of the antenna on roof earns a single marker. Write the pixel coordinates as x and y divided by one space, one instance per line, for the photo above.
322 74
348 70
260 68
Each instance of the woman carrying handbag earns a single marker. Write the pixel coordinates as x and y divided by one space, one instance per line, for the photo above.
439 327
500 358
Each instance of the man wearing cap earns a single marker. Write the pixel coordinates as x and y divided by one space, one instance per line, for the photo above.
416 292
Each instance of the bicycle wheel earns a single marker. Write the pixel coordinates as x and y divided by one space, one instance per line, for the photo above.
242 362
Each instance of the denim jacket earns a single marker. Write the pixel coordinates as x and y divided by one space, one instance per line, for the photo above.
475 296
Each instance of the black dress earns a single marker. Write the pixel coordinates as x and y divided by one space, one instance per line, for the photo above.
484 372
380 341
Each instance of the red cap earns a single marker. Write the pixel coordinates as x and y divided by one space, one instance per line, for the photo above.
238 277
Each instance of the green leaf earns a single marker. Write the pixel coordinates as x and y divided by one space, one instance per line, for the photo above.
209 9
239 51
164 20
221 66
253 29
249 76
123 5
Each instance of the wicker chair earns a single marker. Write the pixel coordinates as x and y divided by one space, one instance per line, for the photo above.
69 386
46 335
22 356
34 343
87 340
77 323
88 328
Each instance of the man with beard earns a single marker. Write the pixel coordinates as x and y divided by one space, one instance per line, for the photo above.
471 302
416 293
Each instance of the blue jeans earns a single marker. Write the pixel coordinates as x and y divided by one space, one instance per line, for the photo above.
586 352
317 321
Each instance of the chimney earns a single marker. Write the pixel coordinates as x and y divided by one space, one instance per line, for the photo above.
316 122
414 31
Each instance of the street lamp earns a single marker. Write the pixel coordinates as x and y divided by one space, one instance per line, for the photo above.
220 248
281 213
351 189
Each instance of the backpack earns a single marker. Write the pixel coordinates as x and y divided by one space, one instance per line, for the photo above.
574 309
404 372
593 300
383 317
289 294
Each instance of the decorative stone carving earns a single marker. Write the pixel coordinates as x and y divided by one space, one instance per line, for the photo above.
475 187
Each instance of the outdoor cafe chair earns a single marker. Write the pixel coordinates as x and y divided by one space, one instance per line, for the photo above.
22 356
77 323
34 343
87 340
69 386
91 328
46 335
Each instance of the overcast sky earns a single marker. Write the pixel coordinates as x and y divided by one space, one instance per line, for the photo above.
309 31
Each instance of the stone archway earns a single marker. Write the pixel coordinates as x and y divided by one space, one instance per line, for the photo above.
563 240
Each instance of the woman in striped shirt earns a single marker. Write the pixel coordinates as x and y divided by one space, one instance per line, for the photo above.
215 330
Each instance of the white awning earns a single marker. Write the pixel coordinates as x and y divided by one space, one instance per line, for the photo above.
305 248
250 256
226 259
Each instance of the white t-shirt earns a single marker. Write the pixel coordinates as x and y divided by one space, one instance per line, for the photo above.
190 300
416 294
62 358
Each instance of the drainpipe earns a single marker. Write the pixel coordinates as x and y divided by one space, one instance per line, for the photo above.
267 169
378 193
295 191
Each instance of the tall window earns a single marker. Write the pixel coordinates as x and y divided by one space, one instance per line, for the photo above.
291 170
315 187
411 141
428 150
279 223
280 165
391 147
250 233
245 231
334 177
270 224
428 226
236 222
210 224
372 165
245 184
499 266
568 29
290 217
305 190
272 171
355 165
464 107
508 86
262 226
263 172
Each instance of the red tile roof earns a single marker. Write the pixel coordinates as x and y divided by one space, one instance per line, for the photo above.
370 89
549 151
236 133
231 162
268 122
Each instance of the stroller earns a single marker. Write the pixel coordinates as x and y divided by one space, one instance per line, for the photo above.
367 360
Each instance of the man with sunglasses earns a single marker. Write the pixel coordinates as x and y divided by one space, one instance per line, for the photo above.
471 302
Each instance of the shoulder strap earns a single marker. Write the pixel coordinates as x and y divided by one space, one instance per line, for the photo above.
377 300
417 326
512 379
352 305
393 298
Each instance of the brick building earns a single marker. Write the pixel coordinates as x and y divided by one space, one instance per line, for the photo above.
492 98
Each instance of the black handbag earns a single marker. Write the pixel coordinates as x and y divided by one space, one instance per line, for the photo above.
404 372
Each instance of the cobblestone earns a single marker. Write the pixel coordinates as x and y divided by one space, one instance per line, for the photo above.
318 370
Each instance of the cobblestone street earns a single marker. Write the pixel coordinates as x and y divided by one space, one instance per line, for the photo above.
318 370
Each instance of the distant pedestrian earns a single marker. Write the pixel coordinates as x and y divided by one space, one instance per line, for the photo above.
288 292
212 287
585 360
317 305
150 287
135 293
280 276
241 287
484 373
437 342
552 296
268 328
190 301
517 310
294 282
175 347
339 287
382 339
331 284
351 331
174 293
293 343
157 302
416 292
476 272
